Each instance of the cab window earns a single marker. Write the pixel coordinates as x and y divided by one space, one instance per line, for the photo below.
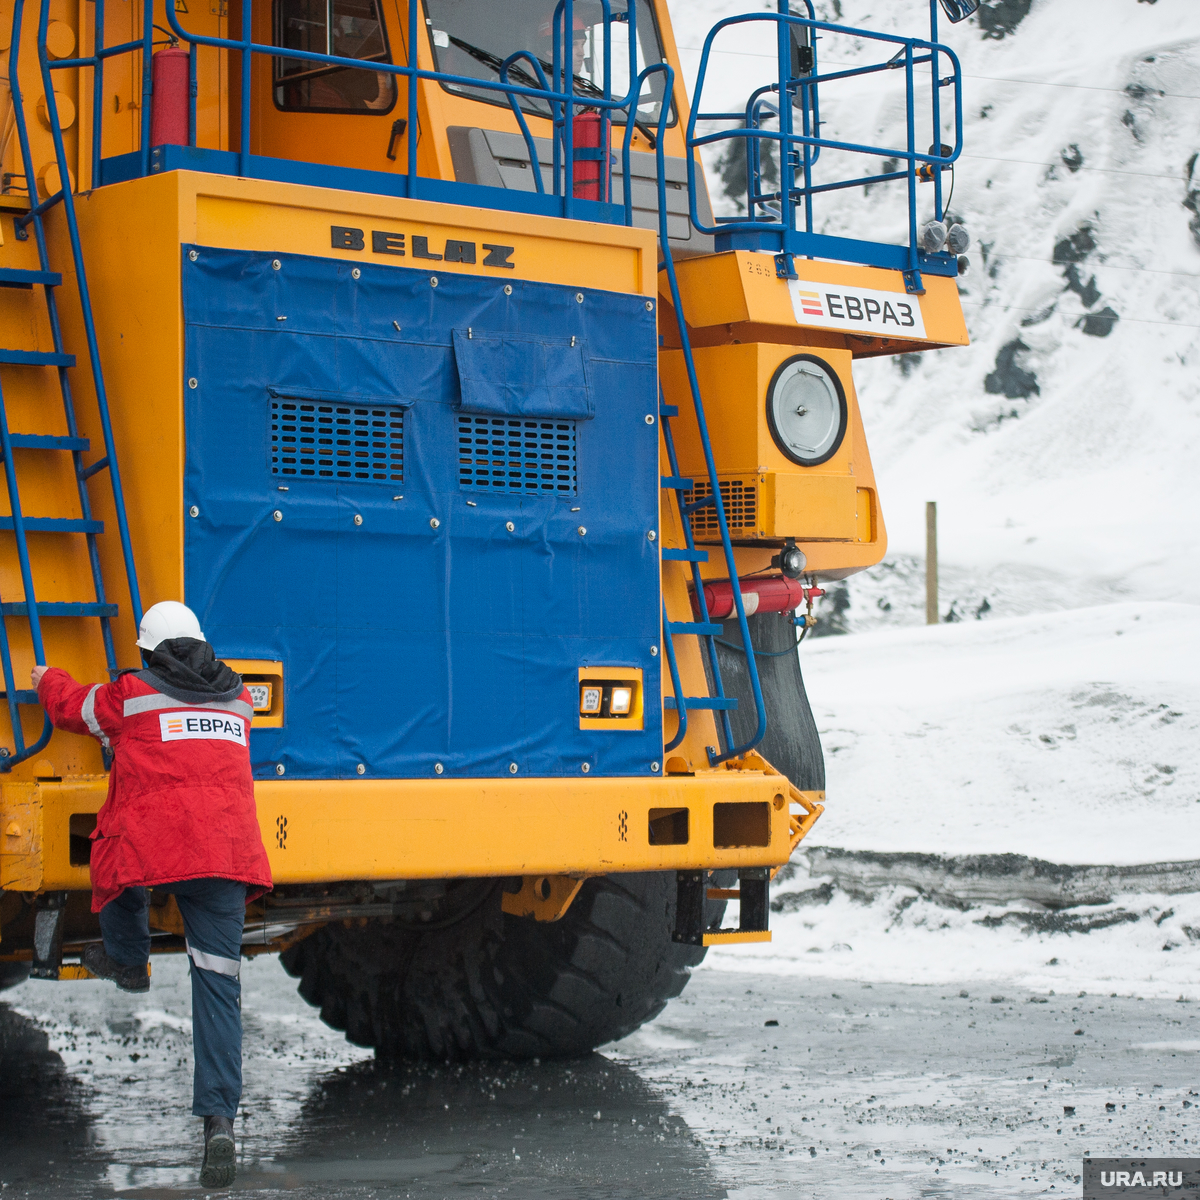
347 28
469 40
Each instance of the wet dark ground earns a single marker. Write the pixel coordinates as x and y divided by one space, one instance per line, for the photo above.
858 1091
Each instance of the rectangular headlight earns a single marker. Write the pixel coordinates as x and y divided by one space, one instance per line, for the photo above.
621 701
589 699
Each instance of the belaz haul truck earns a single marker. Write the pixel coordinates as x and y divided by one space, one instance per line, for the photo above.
400 341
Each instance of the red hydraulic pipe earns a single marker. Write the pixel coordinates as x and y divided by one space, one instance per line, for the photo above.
171 98
587 180
774 594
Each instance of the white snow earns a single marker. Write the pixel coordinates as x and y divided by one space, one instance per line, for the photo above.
903 938
1068 736
1063 723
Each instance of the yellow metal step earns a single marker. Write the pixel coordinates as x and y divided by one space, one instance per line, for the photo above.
733 937
79 971
74 971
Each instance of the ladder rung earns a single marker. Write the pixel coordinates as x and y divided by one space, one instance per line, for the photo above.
45 441
672 555
55 608
677 483
35 358
24 696
12 277
668 410
717 703
724 893
695 627
55 525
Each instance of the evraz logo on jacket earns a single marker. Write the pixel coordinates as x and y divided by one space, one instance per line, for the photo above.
179 726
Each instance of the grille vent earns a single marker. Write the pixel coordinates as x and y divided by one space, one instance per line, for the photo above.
508 454
741 506
337 441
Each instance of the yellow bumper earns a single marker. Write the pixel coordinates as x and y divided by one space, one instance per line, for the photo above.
323 831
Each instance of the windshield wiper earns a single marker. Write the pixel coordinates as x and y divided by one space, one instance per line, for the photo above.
583 86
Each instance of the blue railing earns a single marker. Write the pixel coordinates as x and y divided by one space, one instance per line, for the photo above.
30 607
562 103
773 218
715 755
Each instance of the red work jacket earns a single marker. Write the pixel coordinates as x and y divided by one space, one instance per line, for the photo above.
180 794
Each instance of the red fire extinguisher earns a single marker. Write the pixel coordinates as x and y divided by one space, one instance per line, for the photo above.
588 177
170 100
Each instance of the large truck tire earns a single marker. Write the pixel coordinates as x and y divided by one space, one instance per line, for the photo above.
13 973
493 985
792 744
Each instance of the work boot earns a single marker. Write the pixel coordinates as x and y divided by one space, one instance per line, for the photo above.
128 979
218 1167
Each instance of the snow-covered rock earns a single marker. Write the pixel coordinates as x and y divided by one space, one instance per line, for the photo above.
1059 445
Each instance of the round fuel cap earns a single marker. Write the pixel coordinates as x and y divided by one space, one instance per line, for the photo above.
806 410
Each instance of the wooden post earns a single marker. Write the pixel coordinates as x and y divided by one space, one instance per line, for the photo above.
931 563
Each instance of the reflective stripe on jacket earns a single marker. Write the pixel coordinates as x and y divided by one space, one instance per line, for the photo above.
180 793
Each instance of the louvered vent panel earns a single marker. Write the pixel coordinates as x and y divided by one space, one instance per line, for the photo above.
741 506
510 454
337 441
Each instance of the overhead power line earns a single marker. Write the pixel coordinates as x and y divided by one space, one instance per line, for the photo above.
1085 87
1019 308
1031 162
1109 266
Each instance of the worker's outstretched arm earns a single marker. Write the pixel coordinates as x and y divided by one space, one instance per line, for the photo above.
93 708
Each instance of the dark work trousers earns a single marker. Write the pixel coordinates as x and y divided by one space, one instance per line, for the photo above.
214 911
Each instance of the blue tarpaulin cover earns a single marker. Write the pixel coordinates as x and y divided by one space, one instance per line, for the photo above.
406 643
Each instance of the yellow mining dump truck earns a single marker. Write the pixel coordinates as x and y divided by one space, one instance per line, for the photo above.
401 344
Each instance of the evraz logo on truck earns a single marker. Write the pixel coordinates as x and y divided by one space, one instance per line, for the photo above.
859 310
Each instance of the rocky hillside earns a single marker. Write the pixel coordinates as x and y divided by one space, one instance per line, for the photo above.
1060 445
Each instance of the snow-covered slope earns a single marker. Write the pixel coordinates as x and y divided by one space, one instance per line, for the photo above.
1060 445
1069 737
1060 448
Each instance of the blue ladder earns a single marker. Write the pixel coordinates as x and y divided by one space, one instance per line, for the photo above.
30 608
704 629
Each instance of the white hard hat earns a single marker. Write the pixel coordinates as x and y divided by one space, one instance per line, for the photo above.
166 620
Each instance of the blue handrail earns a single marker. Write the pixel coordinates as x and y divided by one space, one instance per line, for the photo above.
557 119
14 696
676 685
800 150
668 264
562 102
85 300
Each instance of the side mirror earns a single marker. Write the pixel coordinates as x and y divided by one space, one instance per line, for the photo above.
803 57
958 10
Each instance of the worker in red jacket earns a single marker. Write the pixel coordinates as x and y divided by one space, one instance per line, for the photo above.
179 817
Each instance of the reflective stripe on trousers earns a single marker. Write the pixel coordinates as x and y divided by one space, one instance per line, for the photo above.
213 962
213 911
